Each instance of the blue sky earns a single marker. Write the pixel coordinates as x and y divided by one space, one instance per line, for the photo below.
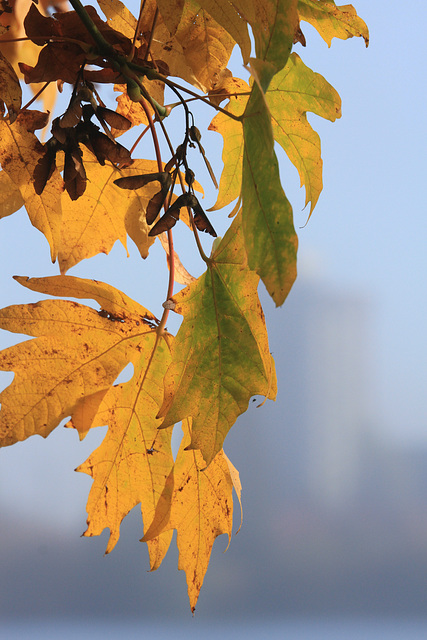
368 233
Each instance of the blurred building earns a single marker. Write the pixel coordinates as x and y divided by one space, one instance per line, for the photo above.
320 341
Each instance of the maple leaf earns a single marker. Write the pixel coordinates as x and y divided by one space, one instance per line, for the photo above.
270 239
274 23
77 352
133 462
200 509
224 14
222 319
10 196
10 89
19 153
206 45
332 21
220 357
292 92
232 155
105 213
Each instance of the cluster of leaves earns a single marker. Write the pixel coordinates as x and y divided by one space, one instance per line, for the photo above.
84 190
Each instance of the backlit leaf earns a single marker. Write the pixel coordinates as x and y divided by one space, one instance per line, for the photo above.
201 510
10 89
292 92
274 23
133 462
267 223
207 46
19 153
332 21
105 213
232 21
232 154
76 352
10 196
222 320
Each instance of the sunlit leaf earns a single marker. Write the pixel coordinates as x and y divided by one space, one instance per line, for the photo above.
267 223
294 91
333 21
76 352
10 89
19 154
10 196
105 213
133 462
222 319
201 510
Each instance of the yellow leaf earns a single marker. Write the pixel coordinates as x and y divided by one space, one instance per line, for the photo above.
206 45
332 21
10 89
77 352
222 320
105 213
19 153
201 510
237 485
133 462
10 196
292 93
119 17
232 153
182 276
229 17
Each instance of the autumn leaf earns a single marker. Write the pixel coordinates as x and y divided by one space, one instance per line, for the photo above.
274 23
206 45
19 153
232 155
105 213
201 509
119 17
133 462
270 239
220 357
10 196
332 21
77 352
10 89
222 320
223 13
292 93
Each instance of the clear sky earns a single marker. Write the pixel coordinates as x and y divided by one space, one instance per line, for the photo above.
368 233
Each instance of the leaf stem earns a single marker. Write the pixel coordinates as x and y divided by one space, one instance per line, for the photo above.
104 47
162 324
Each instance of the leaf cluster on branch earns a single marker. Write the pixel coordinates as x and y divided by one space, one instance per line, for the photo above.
84 190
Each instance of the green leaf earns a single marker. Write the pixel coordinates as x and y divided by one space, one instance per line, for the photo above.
274 23
223 319
270 238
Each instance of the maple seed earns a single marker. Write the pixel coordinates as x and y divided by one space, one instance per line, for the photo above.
134 91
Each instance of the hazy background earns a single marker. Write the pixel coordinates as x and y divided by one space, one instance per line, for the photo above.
335 472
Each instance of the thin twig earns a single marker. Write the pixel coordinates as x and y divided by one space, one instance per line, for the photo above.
153 26
34 98
137 30
163 320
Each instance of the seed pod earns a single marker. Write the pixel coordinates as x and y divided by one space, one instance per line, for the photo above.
133 91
